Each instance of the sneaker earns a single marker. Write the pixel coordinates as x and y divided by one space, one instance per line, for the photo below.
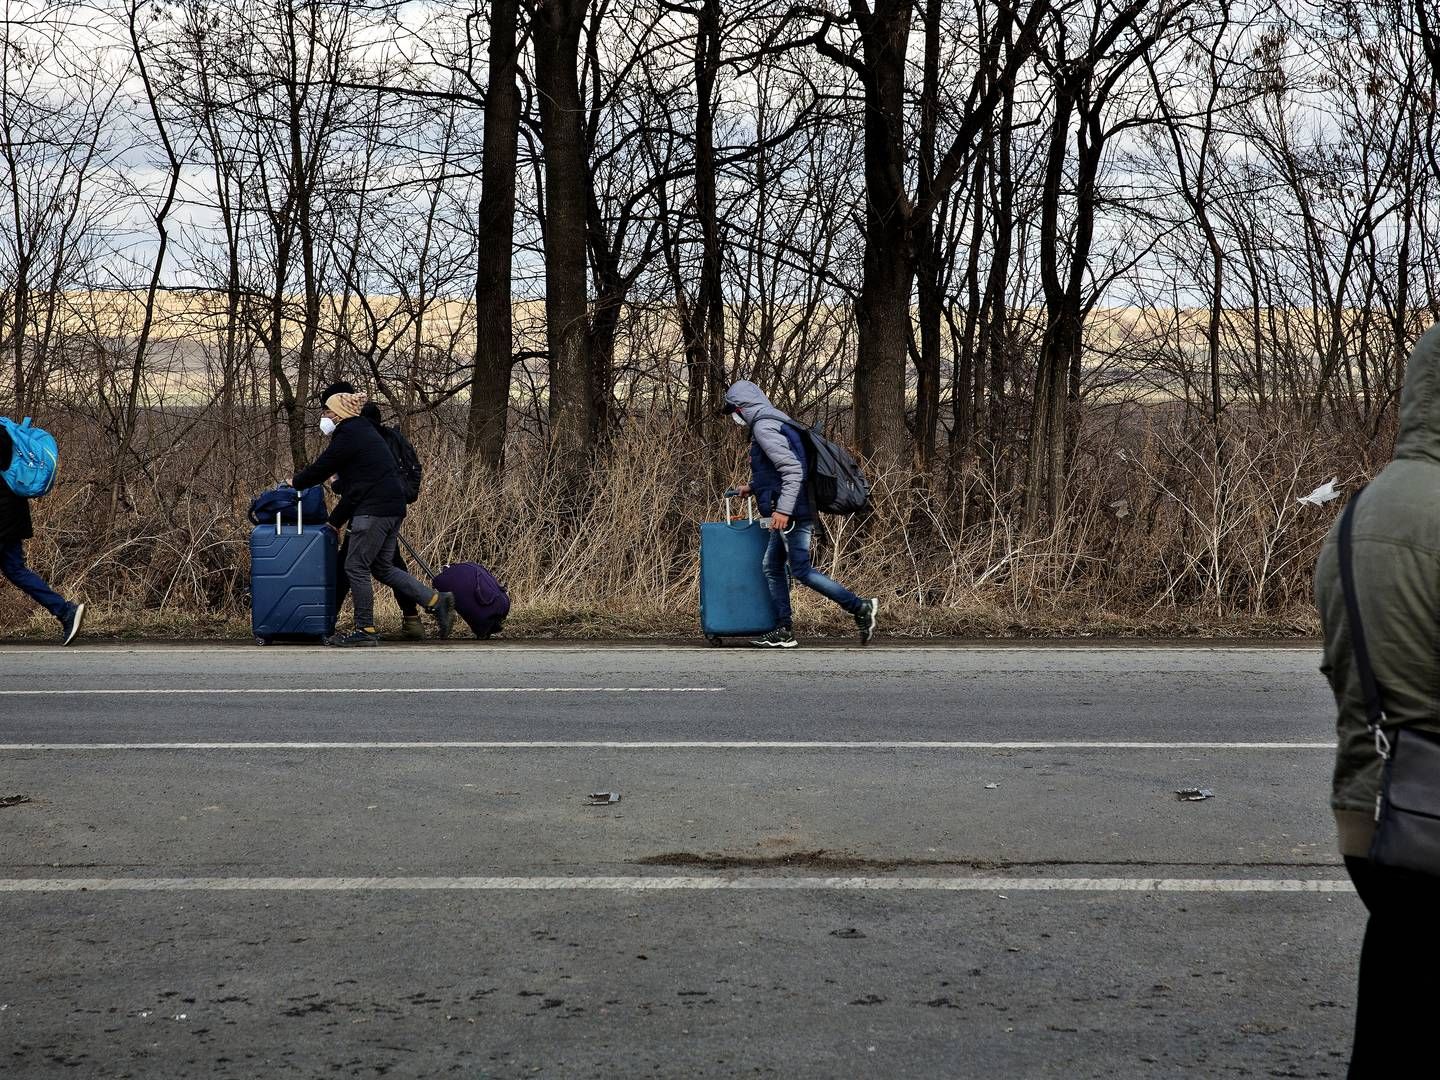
780 638
865 618
412 629
71 623
444 612
354 639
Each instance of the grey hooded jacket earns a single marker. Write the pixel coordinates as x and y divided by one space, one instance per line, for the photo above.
1397 585
767 428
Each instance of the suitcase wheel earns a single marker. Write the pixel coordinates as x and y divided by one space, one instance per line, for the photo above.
715 640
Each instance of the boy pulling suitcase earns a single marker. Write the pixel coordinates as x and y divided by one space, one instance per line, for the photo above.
778 482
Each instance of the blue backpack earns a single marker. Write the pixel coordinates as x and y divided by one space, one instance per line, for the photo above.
33 461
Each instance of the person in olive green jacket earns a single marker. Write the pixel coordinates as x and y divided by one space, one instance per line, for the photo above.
1396 560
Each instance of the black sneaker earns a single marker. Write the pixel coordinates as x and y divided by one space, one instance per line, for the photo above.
865 618
444 612
354 639
779 638
71 623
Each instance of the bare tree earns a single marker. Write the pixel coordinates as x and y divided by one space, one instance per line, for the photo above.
1110 43
891 213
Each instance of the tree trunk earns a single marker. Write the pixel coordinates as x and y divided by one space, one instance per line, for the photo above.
963 394
997 346
928 258
495 238
712 299
557 26
927 367
883 310
300 182
1053 363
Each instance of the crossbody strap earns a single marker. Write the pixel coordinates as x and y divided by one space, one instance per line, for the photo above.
1374 711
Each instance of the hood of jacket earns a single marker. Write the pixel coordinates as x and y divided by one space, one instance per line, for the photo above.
751 403
1419 435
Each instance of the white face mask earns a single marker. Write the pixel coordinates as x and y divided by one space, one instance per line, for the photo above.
737 418
327 426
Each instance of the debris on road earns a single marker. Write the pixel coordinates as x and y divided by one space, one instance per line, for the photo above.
848 932
991 787
604 798
13 800
1193 794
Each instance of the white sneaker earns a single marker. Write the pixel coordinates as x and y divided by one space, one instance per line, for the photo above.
71 625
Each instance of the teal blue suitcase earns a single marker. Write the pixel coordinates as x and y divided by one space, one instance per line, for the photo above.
734 598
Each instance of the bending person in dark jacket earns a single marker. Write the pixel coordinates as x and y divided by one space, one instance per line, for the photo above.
411 625
15 529
778 472
375 500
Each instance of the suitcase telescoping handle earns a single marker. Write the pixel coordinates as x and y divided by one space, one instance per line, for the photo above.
731 493
299 518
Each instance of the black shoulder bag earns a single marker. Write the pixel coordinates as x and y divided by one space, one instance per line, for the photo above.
1407 810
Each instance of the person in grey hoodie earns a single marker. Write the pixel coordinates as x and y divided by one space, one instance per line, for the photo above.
778 468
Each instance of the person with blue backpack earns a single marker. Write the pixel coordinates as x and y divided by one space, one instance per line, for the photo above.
781 454
29 458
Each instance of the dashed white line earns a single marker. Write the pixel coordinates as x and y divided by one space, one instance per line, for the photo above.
685 884
651 744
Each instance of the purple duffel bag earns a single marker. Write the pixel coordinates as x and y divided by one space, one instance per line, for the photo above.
479 599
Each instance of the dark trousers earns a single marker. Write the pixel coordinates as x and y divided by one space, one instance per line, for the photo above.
373 542
1394 1007
12 565
408 607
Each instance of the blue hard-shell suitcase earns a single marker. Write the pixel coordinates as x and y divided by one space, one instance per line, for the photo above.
292 581
734 598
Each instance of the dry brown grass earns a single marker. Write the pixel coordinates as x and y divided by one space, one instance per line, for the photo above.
1158 539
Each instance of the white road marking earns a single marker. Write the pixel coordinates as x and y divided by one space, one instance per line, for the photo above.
309 690
711 744
687 884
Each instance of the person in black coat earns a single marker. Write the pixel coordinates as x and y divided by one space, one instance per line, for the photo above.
373 496
411 625
15 529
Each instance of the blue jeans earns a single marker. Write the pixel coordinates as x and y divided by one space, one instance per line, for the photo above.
12 565
793 549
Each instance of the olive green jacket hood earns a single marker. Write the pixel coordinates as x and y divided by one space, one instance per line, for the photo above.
1419 436
1397 582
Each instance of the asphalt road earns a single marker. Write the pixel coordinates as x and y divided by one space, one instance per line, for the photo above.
922 862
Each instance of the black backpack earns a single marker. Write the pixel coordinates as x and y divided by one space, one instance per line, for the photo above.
837 486
411 471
